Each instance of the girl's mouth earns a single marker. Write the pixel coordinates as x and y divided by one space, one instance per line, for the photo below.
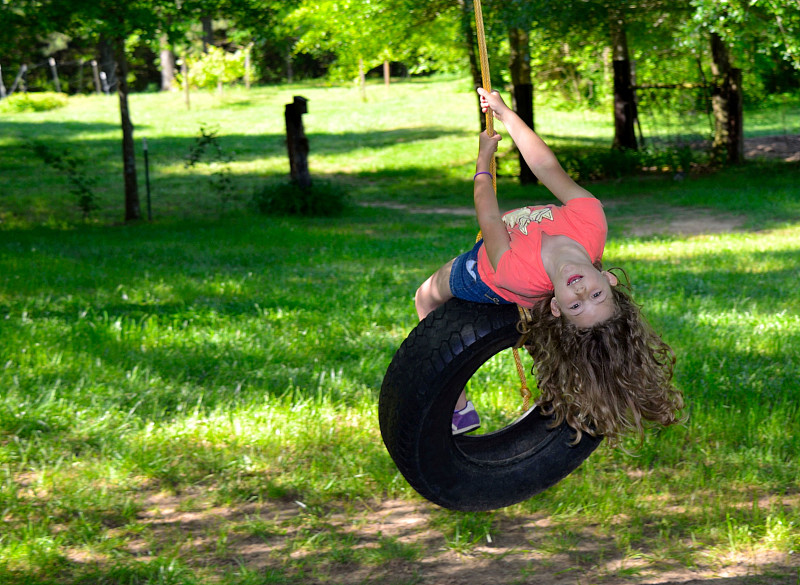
574 278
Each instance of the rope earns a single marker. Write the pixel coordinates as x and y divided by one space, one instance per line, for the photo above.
486 79
524 391
487 85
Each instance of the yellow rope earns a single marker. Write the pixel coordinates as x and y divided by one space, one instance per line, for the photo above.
487 85
487 82
523 390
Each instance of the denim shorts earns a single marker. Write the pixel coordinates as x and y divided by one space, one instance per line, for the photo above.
466 283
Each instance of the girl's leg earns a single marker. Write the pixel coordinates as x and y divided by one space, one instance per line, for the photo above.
434 292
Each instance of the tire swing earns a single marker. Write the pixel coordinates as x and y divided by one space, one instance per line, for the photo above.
420 389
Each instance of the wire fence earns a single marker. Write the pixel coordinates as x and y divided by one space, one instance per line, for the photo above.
679 113
77 76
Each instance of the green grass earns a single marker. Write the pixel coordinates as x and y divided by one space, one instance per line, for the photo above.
175 395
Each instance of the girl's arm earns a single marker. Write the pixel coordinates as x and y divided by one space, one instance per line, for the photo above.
536 153
495 234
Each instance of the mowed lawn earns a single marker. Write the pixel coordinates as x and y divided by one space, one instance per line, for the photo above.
194 399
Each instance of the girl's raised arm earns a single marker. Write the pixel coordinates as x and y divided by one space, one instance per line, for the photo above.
495 234
541 160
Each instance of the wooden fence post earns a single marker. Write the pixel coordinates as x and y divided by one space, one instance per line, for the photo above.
96 75
54 70
20 79
296 142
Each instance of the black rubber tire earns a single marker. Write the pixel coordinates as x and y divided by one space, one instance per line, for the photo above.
419 391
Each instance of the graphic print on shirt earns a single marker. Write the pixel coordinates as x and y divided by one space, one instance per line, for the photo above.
522 217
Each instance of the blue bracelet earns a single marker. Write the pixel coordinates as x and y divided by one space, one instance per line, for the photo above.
481 173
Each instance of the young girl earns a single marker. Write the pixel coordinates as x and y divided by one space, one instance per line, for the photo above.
598 365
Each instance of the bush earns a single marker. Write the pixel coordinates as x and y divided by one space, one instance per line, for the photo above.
592 165
322 199
214 67
73 168
33 102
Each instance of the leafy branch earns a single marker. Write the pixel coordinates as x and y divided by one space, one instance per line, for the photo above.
221 178
80 183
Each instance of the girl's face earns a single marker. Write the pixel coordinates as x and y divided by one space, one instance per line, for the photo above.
583 295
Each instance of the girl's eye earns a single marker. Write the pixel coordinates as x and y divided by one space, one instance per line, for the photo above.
575 306
597 294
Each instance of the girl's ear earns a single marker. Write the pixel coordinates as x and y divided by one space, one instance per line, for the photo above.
612 279
554 308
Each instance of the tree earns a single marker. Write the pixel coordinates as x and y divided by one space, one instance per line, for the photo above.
370 33
624 101
726 100
522 92
759 25
733 28
167 63
109 23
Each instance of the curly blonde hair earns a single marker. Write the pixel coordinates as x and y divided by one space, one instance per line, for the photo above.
608 380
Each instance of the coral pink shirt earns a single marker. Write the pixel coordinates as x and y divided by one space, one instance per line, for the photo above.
520 275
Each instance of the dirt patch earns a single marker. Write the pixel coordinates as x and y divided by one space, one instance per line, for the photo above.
684 222
398 542
674 221
786 148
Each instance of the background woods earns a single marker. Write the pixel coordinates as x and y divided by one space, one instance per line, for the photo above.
631 58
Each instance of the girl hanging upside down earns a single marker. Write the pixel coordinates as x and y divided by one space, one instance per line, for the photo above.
599 366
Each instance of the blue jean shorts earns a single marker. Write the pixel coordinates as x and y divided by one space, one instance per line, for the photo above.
466 283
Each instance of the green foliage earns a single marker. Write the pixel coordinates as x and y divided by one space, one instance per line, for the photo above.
215 67
321 199
765 26
220 178
587 165
33 102
425 38
81 184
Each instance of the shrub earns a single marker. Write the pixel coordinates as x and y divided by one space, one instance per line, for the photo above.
33 102
322 199
73 168
221 178
611 164
215 67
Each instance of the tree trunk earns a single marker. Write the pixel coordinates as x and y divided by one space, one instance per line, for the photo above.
208 33
186 86
167 59
362 80
522 90
726 101
467 18
247 65
132 209
624 103
108 64
289 69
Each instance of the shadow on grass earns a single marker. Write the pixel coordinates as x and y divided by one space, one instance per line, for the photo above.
401 543
246 146
272 304
106 293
